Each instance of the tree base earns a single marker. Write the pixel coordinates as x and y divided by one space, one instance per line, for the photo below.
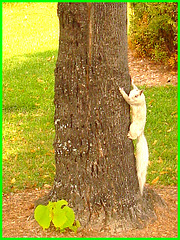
136 217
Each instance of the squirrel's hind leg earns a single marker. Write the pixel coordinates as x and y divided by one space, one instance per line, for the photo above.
133 134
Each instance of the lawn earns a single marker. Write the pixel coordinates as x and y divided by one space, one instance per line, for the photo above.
161 132
30 46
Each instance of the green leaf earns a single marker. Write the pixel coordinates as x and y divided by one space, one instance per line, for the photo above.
73 228
59 217
70 217
51 205
78 224
42 216
61 203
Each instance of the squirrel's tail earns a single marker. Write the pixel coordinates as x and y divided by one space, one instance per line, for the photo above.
142 155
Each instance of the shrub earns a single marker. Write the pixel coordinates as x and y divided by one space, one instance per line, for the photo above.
153 31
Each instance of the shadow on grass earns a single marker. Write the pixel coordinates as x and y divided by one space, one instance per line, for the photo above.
28 111
28 81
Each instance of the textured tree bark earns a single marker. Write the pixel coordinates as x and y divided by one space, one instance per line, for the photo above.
95 163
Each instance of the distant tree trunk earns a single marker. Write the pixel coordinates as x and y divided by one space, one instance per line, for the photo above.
95 163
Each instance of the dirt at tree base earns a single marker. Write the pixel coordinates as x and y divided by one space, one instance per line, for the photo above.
149 73
18 221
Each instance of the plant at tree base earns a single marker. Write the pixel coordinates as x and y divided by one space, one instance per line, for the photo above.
59 213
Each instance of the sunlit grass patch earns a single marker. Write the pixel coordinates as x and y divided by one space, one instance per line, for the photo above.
28 28
30 43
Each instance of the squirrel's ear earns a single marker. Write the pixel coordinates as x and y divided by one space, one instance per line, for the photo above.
141 92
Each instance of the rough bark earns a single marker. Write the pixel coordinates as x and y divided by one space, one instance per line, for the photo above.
95 163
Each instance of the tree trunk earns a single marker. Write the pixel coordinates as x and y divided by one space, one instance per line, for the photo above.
95 163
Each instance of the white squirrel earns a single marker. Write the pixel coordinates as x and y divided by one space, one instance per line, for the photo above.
136 100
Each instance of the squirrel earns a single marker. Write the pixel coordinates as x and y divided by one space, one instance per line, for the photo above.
136 100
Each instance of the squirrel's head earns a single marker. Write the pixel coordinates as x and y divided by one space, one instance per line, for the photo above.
137 95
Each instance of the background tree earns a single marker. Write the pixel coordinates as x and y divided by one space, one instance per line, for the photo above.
95 163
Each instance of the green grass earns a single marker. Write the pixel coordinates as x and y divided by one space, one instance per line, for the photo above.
30 43
161 132
29 55
28 129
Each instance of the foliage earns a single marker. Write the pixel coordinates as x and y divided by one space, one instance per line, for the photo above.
59 213
153 31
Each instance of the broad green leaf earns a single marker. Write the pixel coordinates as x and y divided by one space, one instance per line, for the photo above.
78 224
59 217
61 203
42 216
51 204
73 228
70 217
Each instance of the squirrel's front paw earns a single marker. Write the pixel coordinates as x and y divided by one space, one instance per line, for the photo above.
131 137
121 89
